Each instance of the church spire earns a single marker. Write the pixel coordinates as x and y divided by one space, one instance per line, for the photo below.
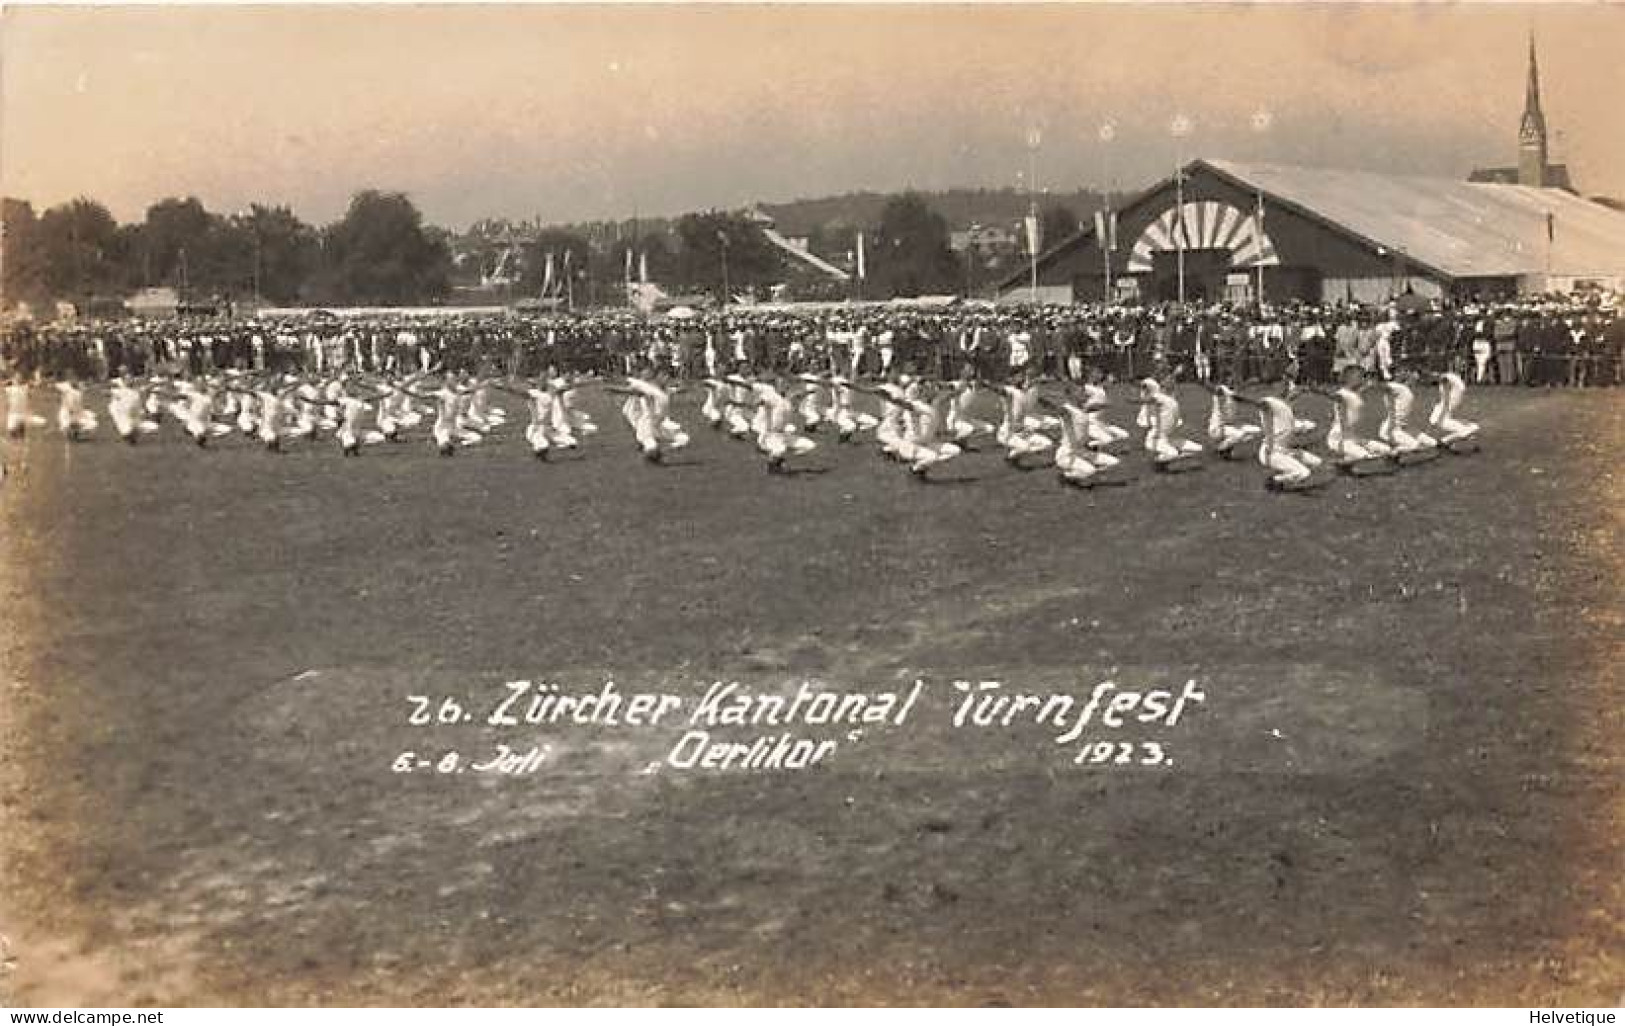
1532 129
1531 102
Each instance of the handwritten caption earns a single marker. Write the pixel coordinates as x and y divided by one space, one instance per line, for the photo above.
1105 724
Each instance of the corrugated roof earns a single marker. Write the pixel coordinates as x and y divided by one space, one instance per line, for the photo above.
1461 229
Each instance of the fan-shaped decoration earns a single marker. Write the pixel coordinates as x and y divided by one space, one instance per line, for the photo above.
1205 225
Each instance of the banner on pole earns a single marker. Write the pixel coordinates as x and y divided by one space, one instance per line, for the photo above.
1106 230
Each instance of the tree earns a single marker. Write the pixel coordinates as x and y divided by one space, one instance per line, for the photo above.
21 278
910 256
715 244
77 244
127 250
379 253
179 244
274 252
1057 224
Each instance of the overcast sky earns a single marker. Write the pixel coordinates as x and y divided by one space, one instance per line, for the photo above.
572 113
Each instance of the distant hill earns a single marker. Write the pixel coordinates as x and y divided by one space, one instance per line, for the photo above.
959 207
837 214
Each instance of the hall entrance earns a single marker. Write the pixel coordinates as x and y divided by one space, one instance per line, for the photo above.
1206 274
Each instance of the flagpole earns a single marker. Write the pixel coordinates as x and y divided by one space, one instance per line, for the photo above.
862 268
1032 238
1261 121
1179 225
1551 238
1258 258
1106 233
1033 141
1103 236
1181 127
722 237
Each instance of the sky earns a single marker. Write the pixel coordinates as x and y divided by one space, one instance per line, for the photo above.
571 113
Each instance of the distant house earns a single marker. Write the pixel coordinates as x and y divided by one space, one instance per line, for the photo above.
802 260
154 302
1555 176
984 240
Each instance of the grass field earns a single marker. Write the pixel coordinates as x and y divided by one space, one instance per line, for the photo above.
1404 784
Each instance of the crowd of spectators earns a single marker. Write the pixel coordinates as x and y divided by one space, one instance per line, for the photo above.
1545 342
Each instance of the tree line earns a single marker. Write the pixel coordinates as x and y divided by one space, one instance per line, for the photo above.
381 252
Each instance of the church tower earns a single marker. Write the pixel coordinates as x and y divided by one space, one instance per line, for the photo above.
1532 130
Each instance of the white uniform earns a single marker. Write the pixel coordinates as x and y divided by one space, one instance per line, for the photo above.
960 425
350 434
711 409
1222 428
1394 429
1481 354
331 393
649 414
72 419
18 417
448 431
776 435
847 420
1099 433
1278 451
270 418
195 411
889 429
550 426
737 395
539 432
568 422
811 408
125 408
1343 439
923 445
307 398
480 415
1443 419
247 421
1163 421
1014 431
1078 419
1072 458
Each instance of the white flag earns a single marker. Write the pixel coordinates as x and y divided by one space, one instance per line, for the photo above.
1106 230
643 267
1258 230
1031 223
861 269
547 273
628 262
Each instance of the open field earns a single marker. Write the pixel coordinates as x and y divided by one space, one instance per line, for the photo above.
1404 784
